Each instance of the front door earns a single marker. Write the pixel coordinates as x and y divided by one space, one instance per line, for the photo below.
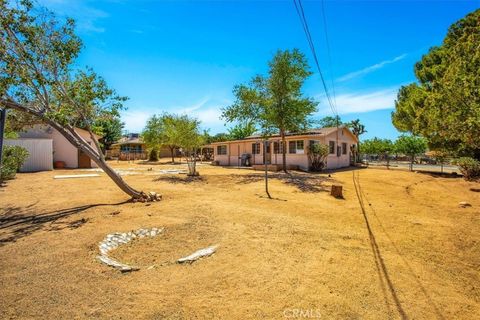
83 160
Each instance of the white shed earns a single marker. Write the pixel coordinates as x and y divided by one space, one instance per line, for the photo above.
40 153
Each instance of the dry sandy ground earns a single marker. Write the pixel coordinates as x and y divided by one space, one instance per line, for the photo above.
397 246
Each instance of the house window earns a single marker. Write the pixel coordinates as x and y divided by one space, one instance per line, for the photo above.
331 147
278 147
295 147
344 148
222 150
339 151
256 148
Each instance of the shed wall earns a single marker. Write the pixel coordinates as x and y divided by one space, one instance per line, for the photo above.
40 153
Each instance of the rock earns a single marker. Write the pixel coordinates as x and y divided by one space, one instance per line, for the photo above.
113 240
198 254
464 204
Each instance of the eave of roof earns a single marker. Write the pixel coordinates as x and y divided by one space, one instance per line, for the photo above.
312 132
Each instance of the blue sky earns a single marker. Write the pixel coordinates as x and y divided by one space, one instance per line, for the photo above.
186 56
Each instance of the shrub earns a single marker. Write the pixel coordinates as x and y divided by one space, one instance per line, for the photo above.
469 167
318 153
153 155
13 158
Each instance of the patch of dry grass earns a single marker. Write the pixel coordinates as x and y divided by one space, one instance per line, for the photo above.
397 246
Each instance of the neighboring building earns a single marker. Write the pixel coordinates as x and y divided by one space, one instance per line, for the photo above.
340 141
129 147
46 146
132 147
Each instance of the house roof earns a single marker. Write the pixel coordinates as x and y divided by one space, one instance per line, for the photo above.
125 140
314 132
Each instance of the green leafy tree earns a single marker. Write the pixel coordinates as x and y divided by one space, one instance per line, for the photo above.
173 132
357 129
109 127
37 77
220 137
329 121
275 103
443 106
241 130
153 135
411 146
17 122
191 139
382 148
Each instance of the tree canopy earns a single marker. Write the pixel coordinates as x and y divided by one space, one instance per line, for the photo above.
38 77
275 103
377 146
241 130
173 131
444 105
329 121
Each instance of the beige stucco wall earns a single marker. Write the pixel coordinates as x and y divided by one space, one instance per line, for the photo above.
236 148
63 150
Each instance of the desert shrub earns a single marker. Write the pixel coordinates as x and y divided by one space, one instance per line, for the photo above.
13 158
469 167
318 153
153 155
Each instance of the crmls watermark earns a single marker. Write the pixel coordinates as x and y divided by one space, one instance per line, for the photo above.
302 313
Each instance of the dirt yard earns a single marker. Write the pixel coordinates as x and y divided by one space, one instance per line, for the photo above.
397 246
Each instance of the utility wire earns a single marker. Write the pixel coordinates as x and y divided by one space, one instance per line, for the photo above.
303 20
329 53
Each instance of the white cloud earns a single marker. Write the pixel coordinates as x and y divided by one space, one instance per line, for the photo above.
370 69
86 16
208 111
135 120
361 101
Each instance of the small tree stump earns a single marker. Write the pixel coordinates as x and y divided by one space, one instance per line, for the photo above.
337 191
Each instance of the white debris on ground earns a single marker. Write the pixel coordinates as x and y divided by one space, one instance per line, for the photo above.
198 254
146 171
464 204
114 240
73 176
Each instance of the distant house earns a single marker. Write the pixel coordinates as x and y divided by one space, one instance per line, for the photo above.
132 147
46 146
129 147
340 141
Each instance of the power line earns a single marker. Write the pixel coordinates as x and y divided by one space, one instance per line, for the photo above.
329 53
303 20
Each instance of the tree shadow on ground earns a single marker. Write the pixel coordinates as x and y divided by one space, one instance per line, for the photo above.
304 182
18 222
179 179
386 282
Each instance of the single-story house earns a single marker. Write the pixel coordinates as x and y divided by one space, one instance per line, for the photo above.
46 145
341 141
132 147
129 147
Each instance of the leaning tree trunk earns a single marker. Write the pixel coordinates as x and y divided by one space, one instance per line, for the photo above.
284 152
77 141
